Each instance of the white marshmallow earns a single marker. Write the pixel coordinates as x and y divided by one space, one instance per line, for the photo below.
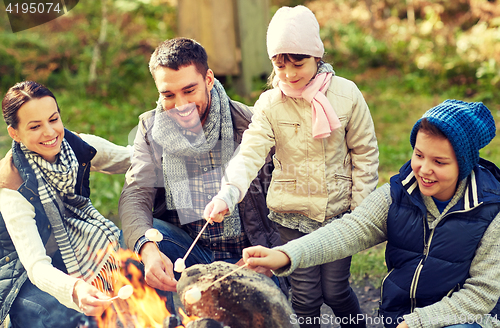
153 235
193 295
125 292
179 265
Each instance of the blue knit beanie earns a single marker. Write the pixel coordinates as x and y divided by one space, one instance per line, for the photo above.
468 126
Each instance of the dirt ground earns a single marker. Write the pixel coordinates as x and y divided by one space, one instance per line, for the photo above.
368 297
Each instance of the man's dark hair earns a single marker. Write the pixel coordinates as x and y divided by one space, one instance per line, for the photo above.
177 53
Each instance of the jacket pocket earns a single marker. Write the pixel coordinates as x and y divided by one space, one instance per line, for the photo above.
287 132
280 193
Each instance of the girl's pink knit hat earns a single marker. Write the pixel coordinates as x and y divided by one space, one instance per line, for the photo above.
294 31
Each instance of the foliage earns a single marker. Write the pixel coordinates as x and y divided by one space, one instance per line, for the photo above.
59 53
445 44
405 55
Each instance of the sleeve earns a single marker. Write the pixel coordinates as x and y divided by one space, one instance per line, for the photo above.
363 228
251 155
19 215
138 194
110 158
478 296
361 139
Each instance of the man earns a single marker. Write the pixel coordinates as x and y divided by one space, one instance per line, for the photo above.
180 150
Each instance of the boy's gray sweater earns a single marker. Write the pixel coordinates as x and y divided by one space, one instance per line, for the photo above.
366 226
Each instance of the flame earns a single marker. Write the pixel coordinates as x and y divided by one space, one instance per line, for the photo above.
185 318
144 309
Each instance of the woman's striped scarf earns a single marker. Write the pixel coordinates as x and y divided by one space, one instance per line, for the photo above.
86 239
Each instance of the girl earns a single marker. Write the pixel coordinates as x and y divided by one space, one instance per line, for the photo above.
51 233
440 217
325 161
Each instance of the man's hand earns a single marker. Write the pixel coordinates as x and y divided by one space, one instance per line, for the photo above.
9 175
215 210
268 258
156 274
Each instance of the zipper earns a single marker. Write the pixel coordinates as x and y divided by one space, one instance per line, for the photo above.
418 270
86 167
296 125
382 285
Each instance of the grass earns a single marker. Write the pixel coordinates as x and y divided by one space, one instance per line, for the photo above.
394 107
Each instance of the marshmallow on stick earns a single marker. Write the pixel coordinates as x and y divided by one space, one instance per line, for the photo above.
153 235
124 292
180 264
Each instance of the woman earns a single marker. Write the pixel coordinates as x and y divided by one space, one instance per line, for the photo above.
49 230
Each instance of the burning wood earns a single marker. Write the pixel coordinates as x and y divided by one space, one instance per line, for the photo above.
243 299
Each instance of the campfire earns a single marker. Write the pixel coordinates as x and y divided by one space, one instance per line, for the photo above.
242 299
144 308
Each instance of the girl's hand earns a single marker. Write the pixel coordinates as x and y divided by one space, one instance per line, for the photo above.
261 256
215 210
89 299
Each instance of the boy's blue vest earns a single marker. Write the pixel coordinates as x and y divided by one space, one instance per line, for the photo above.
426 265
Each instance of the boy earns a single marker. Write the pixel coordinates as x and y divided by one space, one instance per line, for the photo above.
440 218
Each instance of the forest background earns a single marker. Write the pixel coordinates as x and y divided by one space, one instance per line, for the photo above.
405 56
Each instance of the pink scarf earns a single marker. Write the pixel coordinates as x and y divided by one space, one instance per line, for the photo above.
324 118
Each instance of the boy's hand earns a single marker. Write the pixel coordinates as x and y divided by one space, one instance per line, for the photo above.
265 257
258 269
215 210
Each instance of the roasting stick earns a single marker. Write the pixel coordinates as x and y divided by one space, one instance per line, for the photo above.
193 295
227 275
180 265
194 242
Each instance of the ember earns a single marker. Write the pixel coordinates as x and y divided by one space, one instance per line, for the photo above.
243 299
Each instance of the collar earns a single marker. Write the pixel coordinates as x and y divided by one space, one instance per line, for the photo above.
481 186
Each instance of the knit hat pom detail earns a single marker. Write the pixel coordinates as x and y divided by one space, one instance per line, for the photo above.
468 126
294 30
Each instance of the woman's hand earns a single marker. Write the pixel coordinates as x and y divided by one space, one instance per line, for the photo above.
89 299
268 258
215 210
9 175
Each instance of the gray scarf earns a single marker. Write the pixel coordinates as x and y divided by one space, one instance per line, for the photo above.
176 147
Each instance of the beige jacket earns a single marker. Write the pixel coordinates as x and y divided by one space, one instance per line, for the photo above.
319 178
